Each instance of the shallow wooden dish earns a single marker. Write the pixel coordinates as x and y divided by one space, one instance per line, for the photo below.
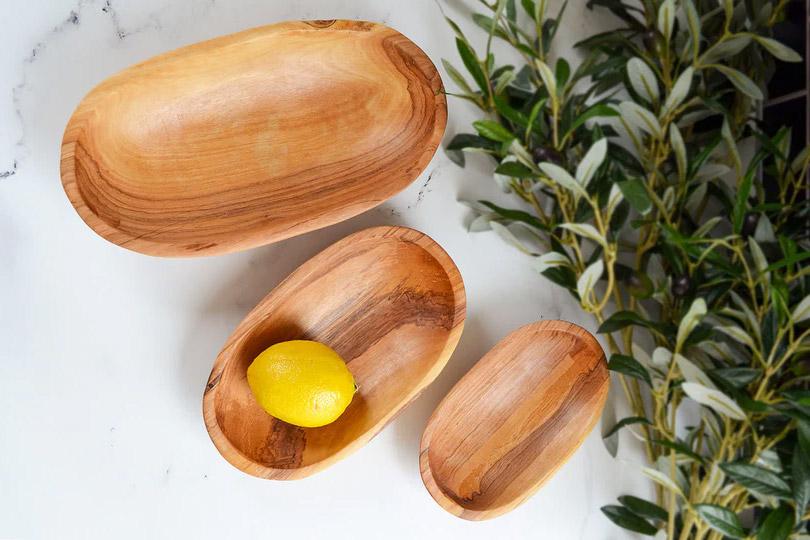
513 419
389 300
253 137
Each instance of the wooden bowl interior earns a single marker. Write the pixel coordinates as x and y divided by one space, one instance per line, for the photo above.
518 415
388 310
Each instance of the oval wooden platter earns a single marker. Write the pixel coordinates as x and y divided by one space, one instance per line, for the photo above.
254 137
389 300
513 419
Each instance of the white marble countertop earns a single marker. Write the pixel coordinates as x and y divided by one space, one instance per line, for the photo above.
105 352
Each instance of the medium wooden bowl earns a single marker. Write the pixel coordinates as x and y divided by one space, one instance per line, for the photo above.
513 419
389 300
254 137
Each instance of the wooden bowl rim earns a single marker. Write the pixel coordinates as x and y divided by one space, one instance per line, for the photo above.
144 245
429 481
403 234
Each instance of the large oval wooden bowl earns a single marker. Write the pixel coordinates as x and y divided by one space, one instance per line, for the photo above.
389 300
253 137
513 419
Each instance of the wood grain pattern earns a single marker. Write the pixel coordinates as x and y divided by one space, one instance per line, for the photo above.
389 300
513 419
253 137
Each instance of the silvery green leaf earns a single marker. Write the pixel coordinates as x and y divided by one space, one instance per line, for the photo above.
724 49
692 373
585 230
662 479
661 357
550 260
740 81
718 350
692 318
668 198
504 181
714 399
457 77
693 22
802 311
508 237
731 145
798 163
691 118
588 279
481 223
711 170
736 333
559 175
760 261
641 355
664 466
614 198
780 51
715 478
769 459
504 80
549 80
764 232
642 79
591 162
750 318
679 149
696 199
706 228
522 155
640 118
666 18
679 92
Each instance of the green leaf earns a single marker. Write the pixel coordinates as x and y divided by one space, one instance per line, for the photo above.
457 77
591 162
802 311
714 399
493 130
588 280
740 81
625 518
560 176
636 194
515 215
737 377
777 526
642 79
680 448
780 51
666 18
679 92
721 520
627 365
640 118
758 479
514 169
741 202
622 319
801 478
644 508
693 22
626 422
679 149
690 320
473 66
724 49
599 110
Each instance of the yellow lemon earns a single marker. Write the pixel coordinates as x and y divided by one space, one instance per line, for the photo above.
304 383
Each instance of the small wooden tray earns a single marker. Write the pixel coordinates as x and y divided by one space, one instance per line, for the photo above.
514 419
254 137
389 300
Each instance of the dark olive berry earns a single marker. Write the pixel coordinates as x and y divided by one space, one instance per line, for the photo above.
749 224
681 285
542 153
650 39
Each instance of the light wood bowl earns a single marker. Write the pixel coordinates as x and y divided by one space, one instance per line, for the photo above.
389 300
513 419
254 137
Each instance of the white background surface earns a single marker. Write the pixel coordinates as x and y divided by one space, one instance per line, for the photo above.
105 352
